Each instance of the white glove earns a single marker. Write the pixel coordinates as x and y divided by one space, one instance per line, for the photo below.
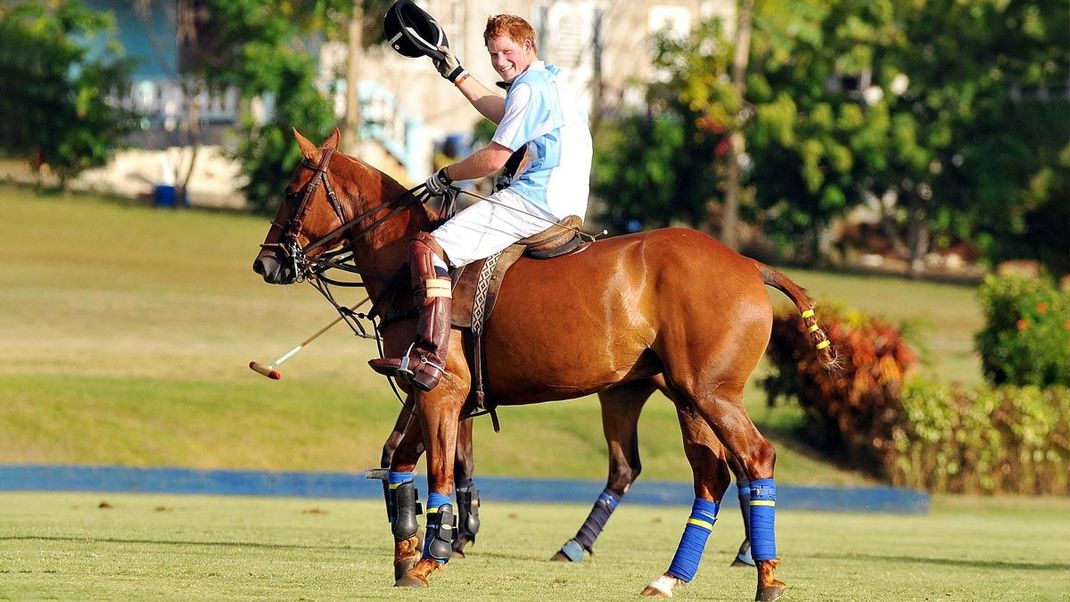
449 67
438 183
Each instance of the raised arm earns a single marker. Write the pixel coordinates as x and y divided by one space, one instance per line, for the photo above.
489 104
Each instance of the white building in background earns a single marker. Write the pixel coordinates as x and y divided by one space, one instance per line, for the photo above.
607 46
407 109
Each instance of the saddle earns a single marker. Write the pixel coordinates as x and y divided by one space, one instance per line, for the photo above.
476 286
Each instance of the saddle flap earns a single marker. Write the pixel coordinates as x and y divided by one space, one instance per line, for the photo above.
476 285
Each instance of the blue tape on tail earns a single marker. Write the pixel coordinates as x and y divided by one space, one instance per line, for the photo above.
693 542
762 519
435 499
397 478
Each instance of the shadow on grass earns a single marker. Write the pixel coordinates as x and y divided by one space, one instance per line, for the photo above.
165 542
954 562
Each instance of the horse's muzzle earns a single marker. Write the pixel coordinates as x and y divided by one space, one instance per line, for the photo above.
273 271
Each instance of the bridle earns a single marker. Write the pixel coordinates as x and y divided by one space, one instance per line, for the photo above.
289 246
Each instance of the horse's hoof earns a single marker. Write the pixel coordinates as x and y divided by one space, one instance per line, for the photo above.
770 592
418 576
653 592
406 555
737 561
769 587
560 557
661 587
457 554
411 581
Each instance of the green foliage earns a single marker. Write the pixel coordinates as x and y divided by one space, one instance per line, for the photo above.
963 440
259 50
955 113
650 172
1026 338
915 432
55 91
657 167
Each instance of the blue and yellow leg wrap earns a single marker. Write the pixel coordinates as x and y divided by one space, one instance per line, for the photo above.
693 542
763 519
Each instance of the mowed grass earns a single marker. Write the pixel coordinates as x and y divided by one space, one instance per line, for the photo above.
65 546
126 334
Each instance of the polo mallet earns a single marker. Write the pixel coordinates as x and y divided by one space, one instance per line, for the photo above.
270 369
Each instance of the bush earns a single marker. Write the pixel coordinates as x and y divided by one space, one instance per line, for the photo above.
1026 339
851 412
989 440
54 94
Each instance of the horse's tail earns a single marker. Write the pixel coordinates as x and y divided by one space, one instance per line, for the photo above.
826 353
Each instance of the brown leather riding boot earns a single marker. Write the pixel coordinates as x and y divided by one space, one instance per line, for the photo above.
425 362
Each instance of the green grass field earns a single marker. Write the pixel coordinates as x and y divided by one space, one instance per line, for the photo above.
64 546
127 332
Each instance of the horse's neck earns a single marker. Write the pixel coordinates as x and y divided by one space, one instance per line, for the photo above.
385 249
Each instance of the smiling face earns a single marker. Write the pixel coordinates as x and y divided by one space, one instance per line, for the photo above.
509 58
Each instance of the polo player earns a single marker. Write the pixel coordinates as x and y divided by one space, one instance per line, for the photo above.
539 114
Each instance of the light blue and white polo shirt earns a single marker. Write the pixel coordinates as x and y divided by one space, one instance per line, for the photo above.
541 113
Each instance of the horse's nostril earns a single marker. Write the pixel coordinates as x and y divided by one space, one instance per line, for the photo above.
258 267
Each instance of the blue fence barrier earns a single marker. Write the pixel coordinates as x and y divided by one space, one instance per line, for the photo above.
350 485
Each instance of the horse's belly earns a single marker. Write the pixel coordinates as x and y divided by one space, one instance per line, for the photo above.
558 333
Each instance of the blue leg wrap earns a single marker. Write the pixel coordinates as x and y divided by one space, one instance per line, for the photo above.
435 500
596 520
397 478
743 487
762 519
689 552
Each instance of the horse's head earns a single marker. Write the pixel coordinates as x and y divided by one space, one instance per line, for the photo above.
311 210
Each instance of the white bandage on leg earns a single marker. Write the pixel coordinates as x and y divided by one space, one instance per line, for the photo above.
664 584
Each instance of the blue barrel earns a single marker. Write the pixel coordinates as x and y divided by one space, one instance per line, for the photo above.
163 195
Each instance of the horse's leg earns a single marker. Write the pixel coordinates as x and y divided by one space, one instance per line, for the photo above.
464 466
620 420
438 413
743 556
723 410
400 453
711 476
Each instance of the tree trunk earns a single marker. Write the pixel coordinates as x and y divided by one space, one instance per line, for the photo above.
918 237
737 143
192 91
351 137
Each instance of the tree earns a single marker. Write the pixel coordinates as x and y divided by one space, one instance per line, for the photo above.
56 94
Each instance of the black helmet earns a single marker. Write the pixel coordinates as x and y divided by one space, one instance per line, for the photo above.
412 32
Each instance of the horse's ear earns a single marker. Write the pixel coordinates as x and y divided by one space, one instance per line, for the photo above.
333 139
309 150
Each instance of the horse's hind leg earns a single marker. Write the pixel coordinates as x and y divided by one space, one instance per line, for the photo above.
711 476
727 417
743 556
467 495
621 407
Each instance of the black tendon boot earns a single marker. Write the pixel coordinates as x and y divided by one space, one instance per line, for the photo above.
467 518
425 361
441 531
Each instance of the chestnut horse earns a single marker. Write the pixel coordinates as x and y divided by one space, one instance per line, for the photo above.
670 307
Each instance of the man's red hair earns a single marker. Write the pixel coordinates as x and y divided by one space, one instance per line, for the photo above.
512 26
